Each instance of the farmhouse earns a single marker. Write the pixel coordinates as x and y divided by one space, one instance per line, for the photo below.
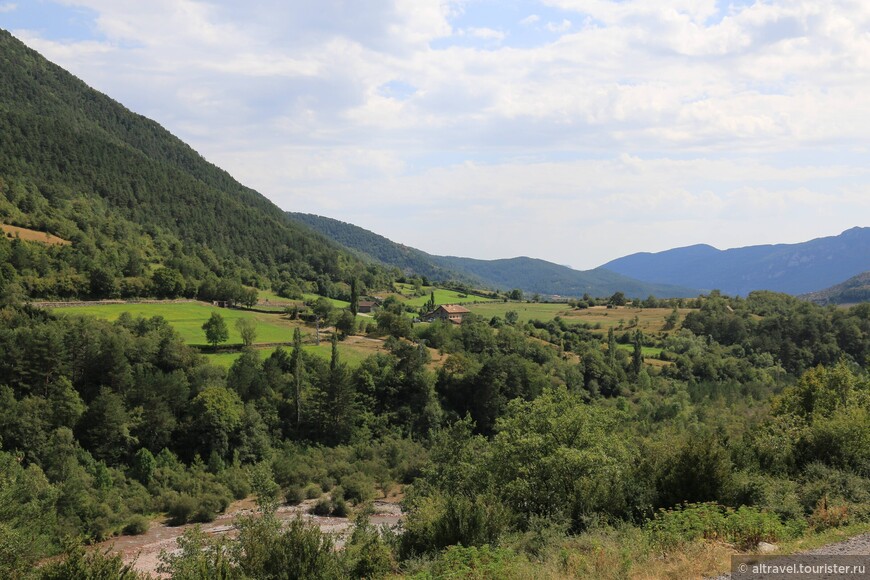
365 306
452 312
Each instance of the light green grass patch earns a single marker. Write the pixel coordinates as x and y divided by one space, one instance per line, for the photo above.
347 353
647 351
187 319
526 310
335 303
442 296
270 296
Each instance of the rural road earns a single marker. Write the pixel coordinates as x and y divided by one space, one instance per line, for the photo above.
857 546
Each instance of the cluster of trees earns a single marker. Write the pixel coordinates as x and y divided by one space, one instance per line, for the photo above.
513 441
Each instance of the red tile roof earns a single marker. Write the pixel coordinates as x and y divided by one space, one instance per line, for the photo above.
454 309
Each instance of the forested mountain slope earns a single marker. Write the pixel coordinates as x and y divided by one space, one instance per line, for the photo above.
528 274
789 268
855 289
383 250
130 195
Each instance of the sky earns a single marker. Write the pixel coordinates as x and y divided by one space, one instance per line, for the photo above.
576 131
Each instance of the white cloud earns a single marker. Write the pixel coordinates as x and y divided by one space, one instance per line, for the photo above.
8 7
484 33
563 26
638 117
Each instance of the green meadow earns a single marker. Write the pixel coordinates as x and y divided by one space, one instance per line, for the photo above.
598 318
347 353
442 296
335 303
526 310
647 351
188 317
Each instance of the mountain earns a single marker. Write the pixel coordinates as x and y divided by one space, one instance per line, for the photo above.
855 289
534 275
130 195
789 268
380 249
527 274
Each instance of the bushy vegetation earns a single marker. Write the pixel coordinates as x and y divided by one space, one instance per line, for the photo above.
512 446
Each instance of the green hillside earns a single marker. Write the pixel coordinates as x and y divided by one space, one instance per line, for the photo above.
527 274
382 250
131 197
854 290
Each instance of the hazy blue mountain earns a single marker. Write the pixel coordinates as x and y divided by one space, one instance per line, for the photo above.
790 268
534 275
854 290
527 274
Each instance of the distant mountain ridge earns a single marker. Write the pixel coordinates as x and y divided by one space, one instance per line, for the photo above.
527 274
789 268
854 290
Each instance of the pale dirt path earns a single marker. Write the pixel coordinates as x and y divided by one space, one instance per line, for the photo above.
145 549
856 546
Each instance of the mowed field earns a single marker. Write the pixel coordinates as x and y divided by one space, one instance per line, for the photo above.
648 319
352 351
187 319
442 296
33 235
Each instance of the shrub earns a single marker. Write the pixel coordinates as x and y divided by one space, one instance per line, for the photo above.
136 526
323 507
674 527
237 481
827 516
313 491
293 495
182 509
358 487
437 521
745 527
838 486
299 550
339 508
476 562
748 526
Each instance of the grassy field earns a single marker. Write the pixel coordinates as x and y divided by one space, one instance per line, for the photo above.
648 351
526 310
270 296
33 235
648 319
406 295
335 303
352 351
188 317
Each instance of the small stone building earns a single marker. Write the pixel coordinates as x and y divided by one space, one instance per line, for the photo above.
452 312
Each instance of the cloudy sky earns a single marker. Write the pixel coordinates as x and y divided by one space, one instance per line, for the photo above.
571 130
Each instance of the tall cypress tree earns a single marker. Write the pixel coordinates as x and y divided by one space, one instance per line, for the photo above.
637 356
354 297
611 348
296 361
